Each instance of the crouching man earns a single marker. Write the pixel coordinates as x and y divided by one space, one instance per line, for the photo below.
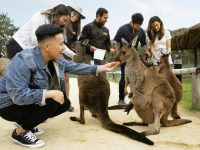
33 86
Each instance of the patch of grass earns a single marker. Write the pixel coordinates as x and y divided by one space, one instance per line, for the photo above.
186 101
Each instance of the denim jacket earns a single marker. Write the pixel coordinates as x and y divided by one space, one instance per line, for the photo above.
27 77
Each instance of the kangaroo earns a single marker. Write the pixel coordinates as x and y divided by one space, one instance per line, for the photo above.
151 94
94 92
166 71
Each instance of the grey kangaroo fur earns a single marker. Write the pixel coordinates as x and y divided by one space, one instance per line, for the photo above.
166 71
151 94
94 92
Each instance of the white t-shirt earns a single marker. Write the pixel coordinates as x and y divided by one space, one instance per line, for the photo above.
25 36
162 42
161 47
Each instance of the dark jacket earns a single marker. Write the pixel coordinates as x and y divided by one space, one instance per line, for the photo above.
72 36
97 35
128 34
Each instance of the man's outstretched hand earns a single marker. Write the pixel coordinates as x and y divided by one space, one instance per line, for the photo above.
108 67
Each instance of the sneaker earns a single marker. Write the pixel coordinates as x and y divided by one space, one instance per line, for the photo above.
27 139
71 109
35 131
121 102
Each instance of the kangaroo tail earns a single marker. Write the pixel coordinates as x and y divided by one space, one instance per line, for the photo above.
117 107
109 125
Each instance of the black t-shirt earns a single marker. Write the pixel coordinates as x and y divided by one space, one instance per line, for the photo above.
98 36
128 34
53 79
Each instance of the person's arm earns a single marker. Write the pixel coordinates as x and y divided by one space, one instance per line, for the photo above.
143 42
107 41
118 35
168 42
35 21
81 69
117 41
109 48
152 47
67 52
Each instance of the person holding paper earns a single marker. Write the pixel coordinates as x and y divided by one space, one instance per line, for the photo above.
98 35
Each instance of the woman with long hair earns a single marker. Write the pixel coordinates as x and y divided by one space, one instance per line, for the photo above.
73 29
25 37
159 39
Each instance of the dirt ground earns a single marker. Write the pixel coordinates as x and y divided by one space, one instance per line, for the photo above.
63 134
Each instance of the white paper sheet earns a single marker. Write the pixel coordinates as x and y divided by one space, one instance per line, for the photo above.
99 54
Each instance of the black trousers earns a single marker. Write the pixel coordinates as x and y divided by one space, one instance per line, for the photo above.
12 48
30 116
122 82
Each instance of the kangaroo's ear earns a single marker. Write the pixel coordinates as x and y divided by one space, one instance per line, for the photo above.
124 42
133 42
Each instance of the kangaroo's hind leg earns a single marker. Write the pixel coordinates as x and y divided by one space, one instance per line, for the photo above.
168 123
156 125
81 120
174 113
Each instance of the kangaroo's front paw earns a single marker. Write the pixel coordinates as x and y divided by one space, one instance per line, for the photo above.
128 108
130 95
74 118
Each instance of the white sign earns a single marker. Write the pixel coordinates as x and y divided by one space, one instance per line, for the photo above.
99 54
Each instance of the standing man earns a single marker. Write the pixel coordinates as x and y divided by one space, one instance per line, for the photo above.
97 34
128 32
33 86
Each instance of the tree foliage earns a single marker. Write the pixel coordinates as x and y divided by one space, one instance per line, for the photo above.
173 32
7 29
